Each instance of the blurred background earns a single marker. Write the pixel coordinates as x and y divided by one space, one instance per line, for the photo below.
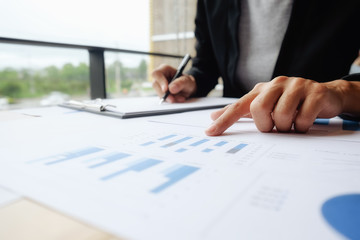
146 33
32 76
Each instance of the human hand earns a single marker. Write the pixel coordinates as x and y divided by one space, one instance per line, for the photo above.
180 89
283 102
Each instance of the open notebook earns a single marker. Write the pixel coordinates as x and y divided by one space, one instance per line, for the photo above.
145 106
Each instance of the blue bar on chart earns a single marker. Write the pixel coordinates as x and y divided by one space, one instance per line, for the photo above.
109 159
322 121
351 125
222 143
176 142
237 148
199 142
167 137
180 150
175 174
207 150
76 154
136 167
147 143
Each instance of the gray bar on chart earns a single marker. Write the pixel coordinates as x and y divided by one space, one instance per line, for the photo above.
199 142
176 142
237 148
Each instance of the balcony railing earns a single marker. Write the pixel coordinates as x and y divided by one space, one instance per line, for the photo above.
96 57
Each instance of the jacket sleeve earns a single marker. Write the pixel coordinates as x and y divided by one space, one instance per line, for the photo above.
204 66
352 77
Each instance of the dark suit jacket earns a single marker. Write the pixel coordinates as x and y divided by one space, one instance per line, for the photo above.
320 43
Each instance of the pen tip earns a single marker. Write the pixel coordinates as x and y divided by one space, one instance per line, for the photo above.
161 101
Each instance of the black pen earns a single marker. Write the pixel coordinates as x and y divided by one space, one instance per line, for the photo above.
177 74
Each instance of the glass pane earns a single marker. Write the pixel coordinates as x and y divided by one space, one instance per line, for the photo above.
127 75
32 76
108 23
41 76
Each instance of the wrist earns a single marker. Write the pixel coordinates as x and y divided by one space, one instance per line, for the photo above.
349 95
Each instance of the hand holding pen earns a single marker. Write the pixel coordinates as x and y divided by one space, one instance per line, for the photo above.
185 86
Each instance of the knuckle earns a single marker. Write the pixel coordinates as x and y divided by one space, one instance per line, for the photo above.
279 80
257 106
224 121
301 128
319 88
283 129
155 73
258 86
163 66
235 107
283 121
281 115
182 80
265 128
303 123
160 70
298 81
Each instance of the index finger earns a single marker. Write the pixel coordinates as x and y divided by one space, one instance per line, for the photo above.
231 114
215 115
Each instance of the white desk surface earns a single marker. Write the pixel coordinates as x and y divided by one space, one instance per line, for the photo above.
68 174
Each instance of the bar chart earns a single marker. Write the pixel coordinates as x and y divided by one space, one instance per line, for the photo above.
152 163
136 167
71 155
183 144
110 158
117 164
174 175
237 148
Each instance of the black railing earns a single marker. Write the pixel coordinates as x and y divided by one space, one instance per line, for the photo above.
97 60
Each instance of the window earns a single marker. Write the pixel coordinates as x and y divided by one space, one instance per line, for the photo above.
33 75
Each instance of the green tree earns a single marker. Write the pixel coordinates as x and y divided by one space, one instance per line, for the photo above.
11 89
142 69
10 83
9 74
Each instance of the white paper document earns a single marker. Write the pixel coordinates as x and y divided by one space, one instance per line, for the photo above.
161 177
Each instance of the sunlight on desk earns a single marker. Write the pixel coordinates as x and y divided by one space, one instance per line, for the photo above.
26 219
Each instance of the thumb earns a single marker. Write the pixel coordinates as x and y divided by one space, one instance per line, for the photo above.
185 84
